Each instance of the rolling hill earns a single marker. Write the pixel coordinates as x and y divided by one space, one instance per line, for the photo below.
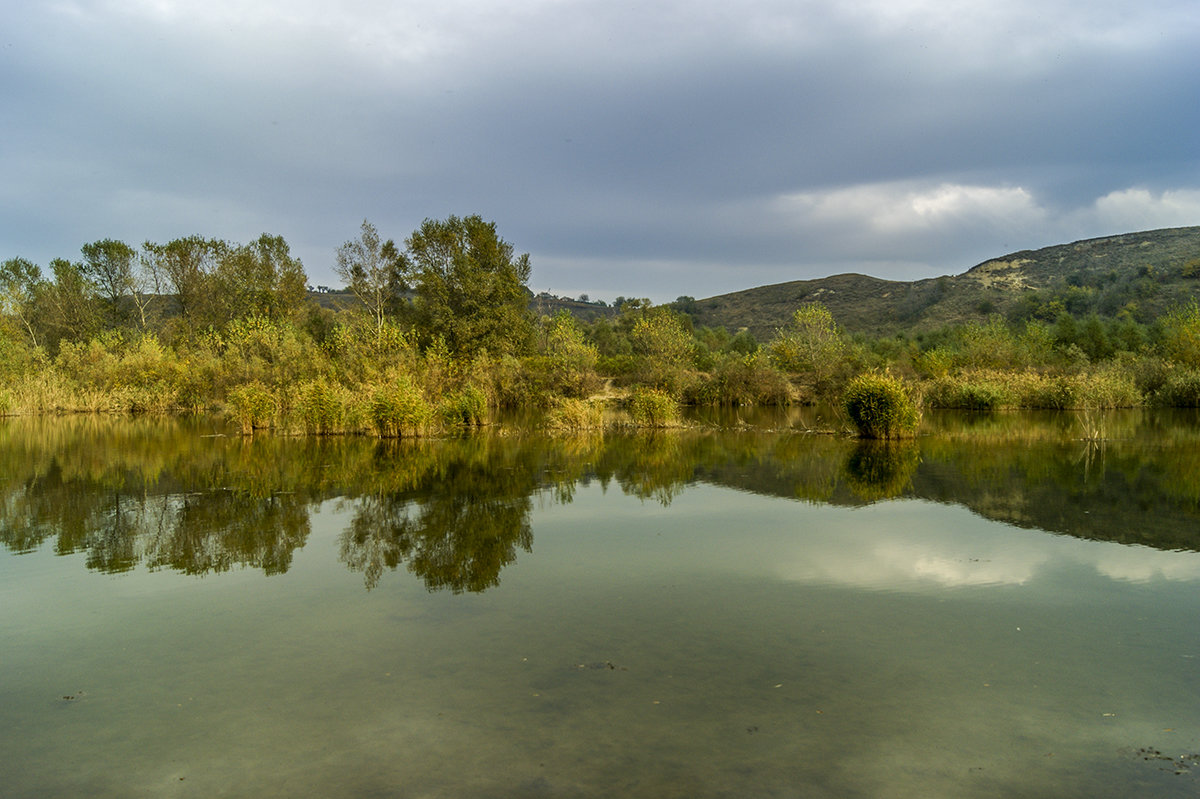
1138 274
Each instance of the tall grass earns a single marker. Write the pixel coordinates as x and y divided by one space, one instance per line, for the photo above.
398 409
653 407
880 407
575 415
253 406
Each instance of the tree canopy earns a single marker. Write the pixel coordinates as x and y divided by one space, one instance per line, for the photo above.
470 287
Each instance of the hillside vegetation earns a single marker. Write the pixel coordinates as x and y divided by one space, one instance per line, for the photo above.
1139 275
434 332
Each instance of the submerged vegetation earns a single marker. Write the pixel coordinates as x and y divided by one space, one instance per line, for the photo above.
438 332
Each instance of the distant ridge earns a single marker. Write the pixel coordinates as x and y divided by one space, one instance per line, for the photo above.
1137 274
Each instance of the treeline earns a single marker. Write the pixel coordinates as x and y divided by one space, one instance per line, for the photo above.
441 332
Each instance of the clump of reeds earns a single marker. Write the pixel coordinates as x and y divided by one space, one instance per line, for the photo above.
466 407
253 405
398 409
879 406
653 407
575 415
325 408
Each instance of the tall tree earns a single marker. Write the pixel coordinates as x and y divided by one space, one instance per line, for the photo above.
71 303
262 277
471 289
21 285
188 267
109 265
374 273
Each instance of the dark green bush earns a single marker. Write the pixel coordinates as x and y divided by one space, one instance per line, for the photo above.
1181 389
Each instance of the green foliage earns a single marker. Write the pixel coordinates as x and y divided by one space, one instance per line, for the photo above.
471 289
663 347
568 363
813 346
262 279
187 267
1181 389
880 407
109 266
966 394
1180 339
398 409
742 380
466 407
325 408
374 273
253 406
21 286
652 407
575 415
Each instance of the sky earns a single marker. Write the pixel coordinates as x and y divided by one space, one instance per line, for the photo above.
642 149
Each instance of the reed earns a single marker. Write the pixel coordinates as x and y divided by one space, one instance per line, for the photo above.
653 407
880 407
575 415
253 406
399 409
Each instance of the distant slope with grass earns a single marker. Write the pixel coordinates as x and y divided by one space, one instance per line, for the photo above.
1135 274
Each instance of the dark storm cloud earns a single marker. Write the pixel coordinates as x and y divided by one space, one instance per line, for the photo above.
661 150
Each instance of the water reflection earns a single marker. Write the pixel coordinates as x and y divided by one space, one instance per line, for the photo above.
176 494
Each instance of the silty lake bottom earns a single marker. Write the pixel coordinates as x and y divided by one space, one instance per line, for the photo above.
1000 608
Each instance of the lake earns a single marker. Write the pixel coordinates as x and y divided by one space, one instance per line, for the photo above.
1005 607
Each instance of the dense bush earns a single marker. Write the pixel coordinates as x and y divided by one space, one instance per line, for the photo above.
741 380
1181 389
652 407
253 405
879 406
466 407
575 414
398 409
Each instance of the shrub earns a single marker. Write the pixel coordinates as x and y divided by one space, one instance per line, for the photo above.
742 380
322 407
652 407
1046 392
575 414
965 393
397 408
253 405
880 407
1181 389
465 408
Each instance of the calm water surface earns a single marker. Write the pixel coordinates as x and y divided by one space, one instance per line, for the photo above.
998 609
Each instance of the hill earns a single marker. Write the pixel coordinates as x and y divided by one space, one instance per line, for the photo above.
1136 274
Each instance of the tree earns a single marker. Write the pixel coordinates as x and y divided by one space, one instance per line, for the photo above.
1180 340
188 267
108 265
72 311
812 344
263 278
21 285
470 288
374 273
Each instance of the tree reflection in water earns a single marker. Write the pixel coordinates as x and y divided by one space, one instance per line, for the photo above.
169 494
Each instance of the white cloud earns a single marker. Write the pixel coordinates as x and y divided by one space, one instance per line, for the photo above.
912 546
1141 209
905 208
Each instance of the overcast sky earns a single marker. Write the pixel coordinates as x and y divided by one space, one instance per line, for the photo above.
636 148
